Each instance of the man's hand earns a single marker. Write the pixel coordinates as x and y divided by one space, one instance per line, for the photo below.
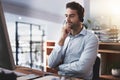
65 31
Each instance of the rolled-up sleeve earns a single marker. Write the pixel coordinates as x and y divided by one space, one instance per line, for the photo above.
55 57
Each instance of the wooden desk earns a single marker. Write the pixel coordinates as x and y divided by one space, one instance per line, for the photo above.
27 70
30 72
108 77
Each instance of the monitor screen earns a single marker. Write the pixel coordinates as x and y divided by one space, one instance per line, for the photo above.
6 56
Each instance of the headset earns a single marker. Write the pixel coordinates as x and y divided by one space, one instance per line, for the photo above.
81 13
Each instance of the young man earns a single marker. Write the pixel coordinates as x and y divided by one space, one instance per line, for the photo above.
76 51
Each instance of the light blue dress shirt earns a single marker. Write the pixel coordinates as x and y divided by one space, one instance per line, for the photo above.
78 55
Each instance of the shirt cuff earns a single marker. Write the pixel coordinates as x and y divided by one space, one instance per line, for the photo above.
62 67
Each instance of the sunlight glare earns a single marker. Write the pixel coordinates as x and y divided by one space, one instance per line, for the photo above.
114 7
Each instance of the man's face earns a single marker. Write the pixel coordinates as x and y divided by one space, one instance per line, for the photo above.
72 18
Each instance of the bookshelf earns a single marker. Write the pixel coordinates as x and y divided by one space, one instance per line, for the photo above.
110 53
49 47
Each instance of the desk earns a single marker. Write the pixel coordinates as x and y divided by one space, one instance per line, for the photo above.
26 70
30 73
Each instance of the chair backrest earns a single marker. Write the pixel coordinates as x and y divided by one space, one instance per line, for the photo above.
96 68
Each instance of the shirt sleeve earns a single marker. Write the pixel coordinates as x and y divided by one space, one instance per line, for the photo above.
55 57
86 60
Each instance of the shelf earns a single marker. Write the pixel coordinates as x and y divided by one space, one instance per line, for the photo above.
109 43
109 77
49 50
49 47
109 51
51 43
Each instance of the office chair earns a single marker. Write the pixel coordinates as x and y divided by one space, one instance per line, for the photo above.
96 68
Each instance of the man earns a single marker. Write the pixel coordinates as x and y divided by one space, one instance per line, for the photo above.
76 51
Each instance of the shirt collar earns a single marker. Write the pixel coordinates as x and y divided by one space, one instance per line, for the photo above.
82 32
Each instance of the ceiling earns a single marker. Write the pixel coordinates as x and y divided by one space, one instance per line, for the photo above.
46 5
51 10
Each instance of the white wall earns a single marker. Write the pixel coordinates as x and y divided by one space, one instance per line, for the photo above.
52 30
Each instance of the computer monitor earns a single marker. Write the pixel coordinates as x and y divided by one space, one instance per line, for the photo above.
6 56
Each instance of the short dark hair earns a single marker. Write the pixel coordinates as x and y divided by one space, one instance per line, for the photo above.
78 7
